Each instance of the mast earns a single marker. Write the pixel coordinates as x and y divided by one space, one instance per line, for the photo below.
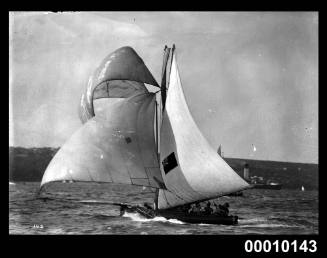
157 128
156 199
167 54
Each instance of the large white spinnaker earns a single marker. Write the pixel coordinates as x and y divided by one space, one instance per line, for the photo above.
192 169
116 143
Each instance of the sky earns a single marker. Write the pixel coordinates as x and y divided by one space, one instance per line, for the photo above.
250 78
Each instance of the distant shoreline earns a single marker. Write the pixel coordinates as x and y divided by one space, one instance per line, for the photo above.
55 149
29 164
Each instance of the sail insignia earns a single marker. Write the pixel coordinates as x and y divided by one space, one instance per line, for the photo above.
169 163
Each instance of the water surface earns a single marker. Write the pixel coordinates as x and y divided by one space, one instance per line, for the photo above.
63 211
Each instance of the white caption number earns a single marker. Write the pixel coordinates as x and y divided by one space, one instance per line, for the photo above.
313 244
285 246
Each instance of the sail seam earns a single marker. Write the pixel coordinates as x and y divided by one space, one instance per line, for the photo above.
127 80
180 197
174 192
137 135
120 149
146 172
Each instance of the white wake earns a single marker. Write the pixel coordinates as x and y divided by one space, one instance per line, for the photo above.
262 223
140 218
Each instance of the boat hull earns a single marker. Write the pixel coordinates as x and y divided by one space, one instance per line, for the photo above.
198 218
185 217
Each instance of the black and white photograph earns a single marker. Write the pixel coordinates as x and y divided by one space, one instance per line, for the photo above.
163 123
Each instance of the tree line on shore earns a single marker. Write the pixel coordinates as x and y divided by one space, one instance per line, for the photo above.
29 164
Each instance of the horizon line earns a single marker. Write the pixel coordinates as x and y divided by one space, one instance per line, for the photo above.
217 154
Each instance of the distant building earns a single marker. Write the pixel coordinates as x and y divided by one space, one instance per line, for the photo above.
246 172
219 150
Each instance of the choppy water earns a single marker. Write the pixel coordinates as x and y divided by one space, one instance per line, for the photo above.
259 211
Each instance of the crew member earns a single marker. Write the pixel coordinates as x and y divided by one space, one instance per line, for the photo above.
190 210
208 209
224 208
217 209
202 209
196 208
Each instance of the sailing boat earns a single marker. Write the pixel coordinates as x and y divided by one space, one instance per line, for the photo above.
136 137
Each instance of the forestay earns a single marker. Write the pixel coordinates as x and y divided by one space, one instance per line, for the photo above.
193 170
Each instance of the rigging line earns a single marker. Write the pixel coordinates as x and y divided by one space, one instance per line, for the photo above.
129 99
146 172
127 80
156 199
156 135
164 193
120 145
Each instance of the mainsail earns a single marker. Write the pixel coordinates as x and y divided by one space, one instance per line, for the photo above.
116 143
193 170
